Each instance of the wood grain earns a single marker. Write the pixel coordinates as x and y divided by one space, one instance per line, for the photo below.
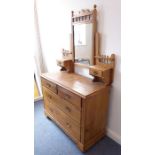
48 84
64 121
94 115
75 83
64 105
69 96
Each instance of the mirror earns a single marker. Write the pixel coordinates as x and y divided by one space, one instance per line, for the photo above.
84 45
83 41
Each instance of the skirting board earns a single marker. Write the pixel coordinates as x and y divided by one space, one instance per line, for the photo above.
113 135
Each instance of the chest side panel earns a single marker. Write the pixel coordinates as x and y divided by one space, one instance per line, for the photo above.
94 116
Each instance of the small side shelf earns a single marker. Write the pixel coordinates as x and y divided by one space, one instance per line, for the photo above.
104 69
101 74
66 65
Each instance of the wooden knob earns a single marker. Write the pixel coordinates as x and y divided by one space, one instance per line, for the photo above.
68 125
95 6
50 96
51 110
48 85
67 96
68 109
72 13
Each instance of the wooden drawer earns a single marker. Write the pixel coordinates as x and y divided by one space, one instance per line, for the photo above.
69 96
95 72
49 85
70 126
64 105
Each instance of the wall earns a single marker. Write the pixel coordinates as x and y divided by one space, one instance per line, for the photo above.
54 24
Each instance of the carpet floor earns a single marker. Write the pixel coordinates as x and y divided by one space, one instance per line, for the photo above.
49 139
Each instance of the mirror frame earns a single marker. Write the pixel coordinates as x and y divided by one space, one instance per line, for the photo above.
85 17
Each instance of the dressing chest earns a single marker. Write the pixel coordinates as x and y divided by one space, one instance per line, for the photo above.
77 105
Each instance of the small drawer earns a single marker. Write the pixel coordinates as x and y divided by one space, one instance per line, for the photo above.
69 96
95 72
64 121
49 85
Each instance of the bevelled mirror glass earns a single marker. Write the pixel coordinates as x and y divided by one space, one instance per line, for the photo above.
83 42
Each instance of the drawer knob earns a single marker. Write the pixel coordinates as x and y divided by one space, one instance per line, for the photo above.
68 125
51 109
49 96
68 109
67 96
48 85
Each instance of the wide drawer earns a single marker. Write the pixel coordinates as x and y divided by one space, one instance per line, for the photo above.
64 121
50 85
64 105
69 96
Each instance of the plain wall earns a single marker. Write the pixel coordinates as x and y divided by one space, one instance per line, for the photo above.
54 20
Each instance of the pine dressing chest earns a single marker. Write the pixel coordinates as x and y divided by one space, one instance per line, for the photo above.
77 105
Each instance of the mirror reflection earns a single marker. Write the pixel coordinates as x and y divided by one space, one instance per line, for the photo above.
83 42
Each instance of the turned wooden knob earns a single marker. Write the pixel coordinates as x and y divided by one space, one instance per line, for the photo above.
95 6
68 109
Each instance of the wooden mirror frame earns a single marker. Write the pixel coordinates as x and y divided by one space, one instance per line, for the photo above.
84 17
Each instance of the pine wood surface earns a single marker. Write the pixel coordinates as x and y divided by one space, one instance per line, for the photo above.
75 83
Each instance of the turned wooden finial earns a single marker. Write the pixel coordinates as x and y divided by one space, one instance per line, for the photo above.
72 13
95 6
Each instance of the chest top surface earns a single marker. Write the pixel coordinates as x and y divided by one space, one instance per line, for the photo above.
75 83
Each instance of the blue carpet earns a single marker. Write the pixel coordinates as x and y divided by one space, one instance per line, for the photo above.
49 139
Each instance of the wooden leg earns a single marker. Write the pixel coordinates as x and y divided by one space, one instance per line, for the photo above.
88 145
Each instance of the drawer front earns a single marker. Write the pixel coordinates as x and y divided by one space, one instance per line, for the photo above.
64 105
69 96
95 72
49 85
64 121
